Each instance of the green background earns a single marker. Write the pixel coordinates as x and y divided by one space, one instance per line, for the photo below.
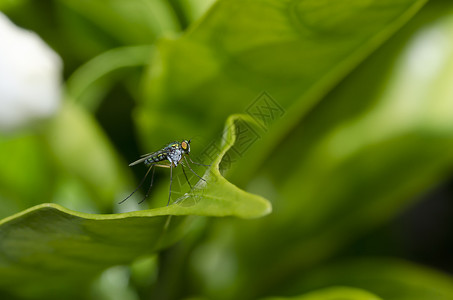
339 189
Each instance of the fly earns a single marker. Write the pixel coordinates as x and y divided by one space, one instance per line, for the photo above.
168 157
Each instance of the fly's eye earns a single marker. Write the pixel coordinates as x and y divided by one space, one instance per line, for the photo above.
184 145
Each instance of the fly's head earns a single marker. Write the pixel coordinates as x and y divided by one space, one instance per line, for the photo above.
185 145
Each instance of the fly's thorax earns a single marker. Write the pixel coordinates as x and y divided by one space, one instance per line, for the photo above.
175 156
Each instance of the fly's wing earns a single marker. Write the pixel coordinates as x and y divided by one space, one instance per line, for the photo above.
139 161
168 147
143 158
147 154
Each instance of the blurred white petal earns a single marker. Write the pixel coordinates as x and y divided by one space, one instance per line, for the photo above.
30 77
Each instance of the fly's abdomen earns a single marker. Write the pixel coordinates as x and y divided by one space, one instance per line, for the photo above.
156 158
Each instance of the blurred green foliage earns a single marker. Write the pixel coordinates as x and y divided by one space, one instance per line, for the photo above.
359 123
334 293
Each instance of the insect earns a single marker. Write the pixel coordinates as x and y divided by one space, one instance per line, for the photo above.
168 157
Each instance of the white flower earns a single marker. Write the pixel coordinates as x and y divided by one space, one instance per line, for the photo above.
30 77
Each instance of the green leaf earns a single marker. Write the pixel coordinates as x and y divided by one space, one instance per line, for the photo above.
333 293
297 55
89 83
355 160
5 6
49 249
388 278
363 155
130 22
364 160
191 10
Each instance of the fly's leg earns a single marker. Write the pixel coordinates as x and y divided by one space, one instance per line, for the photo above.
171 177
187 179
197 163
149 189
171 180
188 165
140 184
